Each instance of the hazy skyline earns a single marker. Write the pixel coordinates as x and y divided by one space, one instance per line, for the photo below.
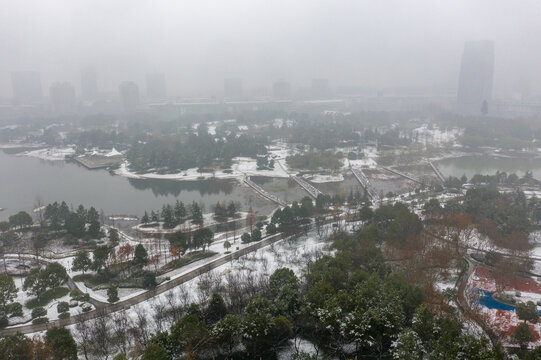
197 44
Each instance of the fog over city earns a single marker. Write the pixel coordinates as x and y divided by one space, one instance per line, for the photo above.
272 180
373 45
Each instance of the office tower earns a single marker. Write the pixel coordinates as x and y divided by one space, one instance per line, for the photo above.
62 97
233 88
476 74
129 95
156 86
320 89
89 84
281 90
26 86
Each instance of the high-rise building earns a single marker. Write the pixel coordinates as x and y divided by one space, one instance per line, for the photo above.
233 88
129 95
26 86
62 97
476 74
156 86
320 89
89 84
281 90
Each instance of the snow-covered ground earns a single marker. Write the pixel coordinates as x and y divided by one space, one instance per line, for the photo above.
53 154
435 135
324 178
293 253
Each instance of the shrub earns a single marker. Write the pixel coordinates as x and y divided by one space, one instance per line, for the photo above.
4 322
86 308
47 297
41 320
38 312
112 294
149 281
75 293
64 315
62 307
246 238
15 309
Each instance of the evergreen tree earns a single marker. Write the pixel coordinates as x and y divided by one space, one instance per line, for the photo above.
145 219
246 238
114 238
168 217
522 335
180 210
256 234
231 209
140 258
112 294
81 262
61 343
8 292
197 214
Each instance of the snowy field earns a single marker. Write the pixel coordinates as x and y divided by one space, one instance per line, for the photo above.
426 134
52 154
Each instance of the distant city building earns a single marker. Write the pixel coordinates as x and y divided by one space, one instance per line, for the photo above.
156 86
129 95
476 74
26 86
320 89
233 88
281 90
63 98
89 84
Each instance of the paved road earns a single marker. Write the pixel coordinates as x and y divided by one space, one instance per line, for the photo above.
104 308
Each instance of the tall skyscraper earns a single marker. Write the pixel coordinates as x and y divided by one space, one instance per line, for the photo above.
476 74
26 86
156 86
281 90
63 98
233 88
89 84
129 95
320 89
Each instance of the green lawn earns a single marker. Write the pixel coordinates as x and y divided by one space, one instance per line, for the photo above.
47 297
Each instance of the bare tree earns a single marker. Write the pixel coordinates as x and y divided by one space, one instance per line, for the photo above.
101 335
174 308
120 329
38 208
141 327
83 335
209 283
159 308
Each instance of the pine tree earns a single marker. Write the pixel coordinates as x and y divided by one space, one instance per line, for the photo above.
197 214
168 217
145 219
140 258
112 294
180 210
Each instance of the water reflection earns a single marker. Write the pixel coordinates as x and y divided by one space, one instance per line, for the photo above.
175 188
488 165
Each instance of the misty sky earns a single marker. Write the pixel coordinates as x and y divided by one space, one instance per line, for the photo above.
197 43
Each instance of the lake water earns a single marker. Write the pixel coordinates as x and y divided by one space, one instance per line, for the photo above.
23 179
488 165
